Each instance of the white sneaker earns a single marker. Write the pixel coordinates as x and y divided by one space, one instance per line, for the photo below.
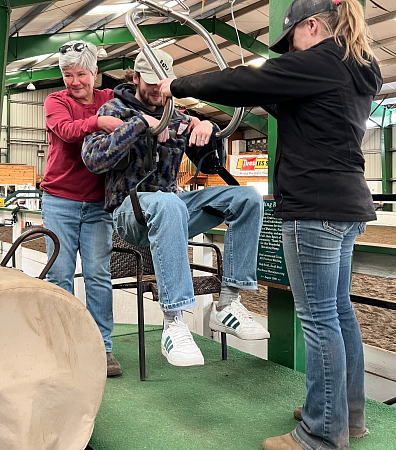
235 319
178 345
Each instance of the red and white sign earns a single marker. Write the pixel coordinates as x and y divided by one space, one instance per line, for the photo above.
256 165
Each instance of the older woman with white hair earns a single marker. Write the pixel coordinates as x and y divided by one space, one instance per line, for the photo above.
73 197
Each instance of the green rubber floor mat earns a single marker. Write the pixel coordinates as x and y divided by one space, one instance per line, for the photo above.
223 405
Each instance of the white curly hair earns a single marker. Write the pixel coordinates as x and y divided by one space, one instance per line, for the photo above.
87 59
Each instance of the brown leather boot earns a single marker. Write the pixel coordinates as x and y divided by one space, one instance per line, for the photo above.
285 442
355 433
298 413
113 366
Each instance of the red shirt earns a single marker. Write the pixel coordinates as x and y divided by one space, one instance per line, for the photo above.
67 123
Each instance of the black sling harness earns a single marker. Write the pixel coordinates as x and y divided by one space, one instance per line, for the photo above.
209 159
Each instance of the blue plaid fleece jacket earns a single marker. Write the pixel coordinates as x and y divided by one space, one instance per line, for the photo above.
102 151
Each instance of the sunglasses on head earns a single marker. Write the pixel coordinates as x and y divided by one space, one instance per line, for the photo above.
78 47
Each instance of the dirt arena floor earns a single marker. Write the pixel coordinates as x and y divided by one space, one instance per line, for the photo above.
378 325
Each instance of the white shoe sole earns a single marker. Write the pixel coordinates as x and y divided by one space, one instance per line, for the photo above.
215 326
198 360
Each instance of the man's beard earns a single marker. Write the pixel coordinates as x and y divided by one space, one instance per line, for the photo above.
145 96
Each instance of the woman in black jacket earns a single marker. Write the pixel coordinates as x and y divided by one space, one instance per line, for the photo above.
320 90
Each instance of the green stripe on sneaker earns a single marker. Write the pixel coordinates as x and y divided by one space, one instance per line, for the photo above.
229 324
236 325
167 340
225 320
170 348
168 343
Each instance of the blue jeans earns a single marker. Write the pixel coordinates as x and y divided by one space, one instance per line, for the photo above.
172 219
318 257
87 228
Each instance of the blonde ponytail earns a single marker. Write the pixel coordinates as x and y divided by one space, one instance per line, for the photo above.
349 29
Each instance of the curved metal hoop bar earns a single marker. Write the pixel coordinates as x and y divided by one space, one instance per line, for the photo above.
199 29
148 53
26 234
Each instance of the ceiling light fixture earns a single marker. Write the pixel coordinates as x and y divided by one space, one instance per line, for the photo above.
162 43
102 53
112 9
31 87
257 62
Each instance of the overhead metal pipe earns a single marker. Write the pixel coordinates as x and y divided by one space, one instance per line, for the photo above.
158 69
5 13
184 19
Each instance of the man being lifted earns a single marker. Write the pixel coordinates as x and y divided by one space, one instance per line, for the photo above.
172 218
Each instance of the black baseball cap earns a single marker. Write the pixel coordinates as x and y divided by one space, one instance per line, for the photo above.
296 13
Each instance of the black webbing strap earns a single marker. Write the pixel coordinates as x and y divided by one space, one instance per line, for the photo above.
220 170
151 168
200 165
227 177
136 207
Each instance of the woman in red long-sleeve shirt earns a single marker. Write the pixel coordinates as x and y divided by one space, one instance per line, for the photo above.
73 198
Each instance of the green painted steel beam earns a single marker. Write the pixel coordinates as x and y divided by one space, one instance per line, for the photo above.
50 73
386 163
254 121
377 249
5 14
8 112
33 46
286 346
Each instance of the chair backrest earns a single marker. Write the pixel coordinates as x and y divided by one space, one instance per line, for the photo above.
123 265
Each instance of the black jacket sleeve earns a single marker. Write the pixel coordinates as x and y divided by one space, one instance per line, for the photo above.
291 76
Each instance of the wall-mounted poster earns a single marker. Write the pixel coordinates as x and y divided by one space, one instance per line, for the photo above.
247 166
271 266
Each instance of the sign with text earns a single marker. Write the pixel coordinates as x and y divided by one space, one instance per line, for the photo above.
242 166
271 267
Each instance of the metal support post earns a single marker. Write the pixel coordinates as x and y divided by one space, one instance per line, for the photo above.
386 162
8 93
5 13
286 345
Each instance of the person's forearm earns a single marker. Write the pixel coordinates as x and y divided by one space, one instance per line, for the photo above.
298 75
59 120
102 151
73 131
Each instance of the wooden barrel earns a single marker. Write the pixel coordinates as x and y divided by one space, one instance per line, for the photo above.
52 366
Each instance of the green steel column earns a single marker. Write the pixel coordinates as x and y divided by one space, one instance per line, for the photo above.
8 94
5 13
386 162
286 346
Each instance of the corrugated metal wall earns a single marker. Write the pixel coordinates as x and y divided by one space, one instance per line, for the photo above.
371 147
27 125
252 134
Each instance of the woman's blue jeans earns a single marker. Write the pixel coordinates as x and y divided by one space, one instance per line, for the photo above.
86 228
172 219
318 257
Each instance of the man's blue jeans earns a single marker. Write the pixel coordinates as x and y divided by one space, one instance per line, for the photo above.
87 228
318 258
173 219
